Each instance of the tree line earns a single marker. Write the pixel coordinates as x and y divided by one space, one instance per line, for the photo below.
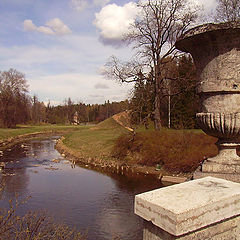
18 107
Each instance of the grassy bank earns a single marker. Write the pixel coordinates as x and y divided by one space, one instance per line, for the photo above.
172 151
110 143
95 142
27 129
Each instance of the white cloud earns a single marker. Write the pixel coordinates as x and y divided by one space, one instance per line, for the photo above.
66 68
58 26
52 27
45 30
113 21
101 86
79 5
77 85
29 26
101 2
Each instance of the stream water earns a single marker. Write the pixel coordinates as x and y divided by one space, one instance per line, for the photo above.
101 204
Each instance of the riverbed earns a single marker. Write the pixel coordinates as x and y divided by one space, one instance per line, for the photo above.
99 203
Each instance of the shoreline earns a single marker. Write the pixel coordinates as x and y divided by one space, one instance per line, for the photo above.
118 166
113 166
9 142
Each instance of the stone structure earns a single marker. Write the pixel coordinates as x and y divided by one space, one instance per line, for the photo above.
75 119
215 49
207 208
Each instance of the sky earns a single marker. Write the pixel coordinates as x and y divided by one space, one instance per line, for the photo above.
62 45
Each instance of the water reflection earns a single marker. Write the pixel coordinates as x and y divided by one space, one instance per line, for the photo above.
80 197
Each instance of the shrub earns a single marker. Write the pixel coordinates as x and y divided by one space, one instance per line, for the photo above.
176 151
33 226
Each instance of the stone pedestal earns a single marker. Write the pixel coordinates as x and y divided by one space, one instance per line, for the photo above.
207 208
215 49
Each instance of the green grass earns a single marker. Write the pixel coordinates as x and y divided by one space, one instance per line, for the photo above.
95 142
26 129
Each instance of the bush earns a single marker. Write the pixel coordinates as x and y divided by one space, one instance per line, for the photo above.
33 226
176 151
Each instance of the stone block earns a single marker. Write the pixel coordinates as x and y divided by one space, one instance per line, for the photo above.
191 206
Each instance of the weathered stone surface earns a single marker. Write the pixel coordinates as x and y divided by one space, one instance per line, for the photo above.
190 206
172 179
220 168
207 28
215 49
225 230
227 176
220 125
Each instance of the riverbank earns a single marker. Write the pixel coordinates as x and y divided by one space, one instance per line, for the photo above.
119 167
10 137
99 147
170 155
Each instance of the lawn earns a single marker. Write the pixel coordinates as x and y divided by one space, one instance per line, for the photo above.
95 142
26 129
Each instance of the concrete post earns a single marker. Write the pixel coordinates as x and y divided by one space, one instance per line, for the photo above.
207 208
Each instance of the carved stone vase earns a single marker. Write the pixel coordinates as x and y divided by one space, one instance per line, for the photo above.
215 49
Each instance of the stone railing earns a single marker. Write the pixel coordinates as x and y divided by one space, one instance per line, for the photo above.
207 208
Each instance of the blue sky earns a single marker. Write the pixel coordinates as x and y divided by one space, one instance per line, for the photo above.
61 46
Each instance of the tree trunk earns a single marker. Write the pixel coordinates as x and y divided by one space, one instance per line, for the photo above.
157 103
157 114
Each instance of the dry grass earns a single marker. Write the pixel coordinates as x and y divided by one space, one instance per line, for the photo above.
175 150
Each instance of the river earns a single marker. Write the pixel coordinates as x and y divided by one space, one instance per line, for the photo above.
101 204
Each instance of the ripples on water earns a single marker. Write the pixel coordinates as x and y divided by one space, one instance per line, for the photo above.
100 203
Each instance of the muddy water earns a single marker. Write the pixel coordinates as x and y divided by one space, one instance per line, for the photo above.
100 203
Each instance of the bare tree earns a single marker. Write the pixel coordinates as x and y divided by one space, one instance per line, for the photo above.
153 36
13 99
227 10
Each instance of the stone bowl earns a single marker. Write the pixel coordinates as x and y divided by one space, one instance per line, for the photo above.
225 126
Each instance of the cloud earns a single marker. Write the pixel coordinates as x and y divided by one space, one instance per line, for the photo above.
47 67
96 96
45 30
101 86
28 25
113 21
75 85
79 5
58 26
54 26
101 2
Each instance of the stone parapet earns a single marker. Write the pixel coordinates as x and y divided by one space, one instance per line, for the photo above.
207 208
